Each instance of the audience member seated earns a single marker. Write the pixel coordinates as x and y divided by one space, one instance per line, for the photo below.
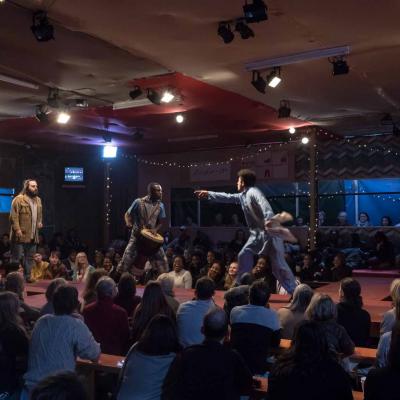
231 275
255 328
167 286
98 258
263 271
39 268
383 255
235 221
70 263
15 283
238 242
182 278
363 219
57 243
60 386
211 257
14 346
4 248
57 340
386 221
148 361
390 316
201 241
191 313
83 268
208 370
236 296
342 219
153 302
323 310
126 297
291 315
321 218
339 269
107 321
55 269
89 294
308 370
350 313
299 221
195 267
216 274
42 247
181 242
107 264
387 361
307 269
48 308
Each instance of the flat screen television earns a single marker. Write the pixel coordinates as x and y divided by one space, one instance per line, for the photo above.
74 177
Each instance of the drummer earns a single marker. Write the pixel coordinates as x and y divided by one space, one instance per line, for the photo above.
145 212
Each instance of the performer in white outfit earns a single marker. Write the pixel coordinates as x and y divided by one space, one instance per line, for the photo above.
266 233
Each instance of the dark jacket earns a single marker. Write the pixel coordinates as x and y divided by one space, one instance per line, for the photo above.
207 371
382 383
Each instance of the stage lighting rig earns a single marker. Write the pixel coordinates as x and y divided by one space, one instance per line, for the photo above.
284 109
244 30
255 12
41 27
258 82
340 66
225 32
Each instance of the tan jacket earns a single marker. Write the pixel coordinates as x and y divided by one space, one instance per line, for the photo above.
21 218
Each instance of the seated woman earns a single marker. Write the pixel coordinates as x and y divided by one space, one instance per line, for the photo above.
83 268
107 264
293 314
363 219
126 297
14 346
148 361
339 269
182 278
216 274
350 313
383 382
56 268
322 309
153 302
238 241
386 221
390 316
307 268
263 271
383 255
308 370
231 275
89 293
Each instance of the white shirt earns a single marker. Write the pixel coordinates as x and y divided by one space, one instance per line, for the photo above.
182 279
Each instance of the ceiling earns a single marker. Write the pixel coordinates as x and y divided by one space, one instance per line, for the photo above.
103 48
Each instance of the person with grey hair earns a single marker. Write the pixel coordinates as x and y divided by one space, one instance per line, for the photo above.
293 313
167 286
107 321
209 370
322 309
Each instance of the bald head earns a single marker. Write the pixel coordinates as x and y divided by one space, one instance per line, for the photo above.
215 324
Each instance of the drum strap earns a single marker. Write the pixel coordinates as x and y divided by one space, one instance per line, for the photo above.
145 217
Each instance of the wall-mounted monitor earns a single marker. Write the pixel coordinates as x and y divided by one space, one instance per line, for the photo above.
74 177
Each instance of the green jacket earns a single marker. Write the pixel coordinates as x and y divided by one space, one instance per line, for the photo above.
21 218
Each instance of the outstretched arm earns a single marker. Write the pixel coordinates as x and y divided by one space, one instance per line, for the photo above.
219 197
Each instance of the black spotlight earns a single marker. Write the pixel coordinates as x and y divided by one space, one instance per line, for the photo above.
284 109
41 27
42 114
135 93
224 30
258 82
255 12
244 30
107 137
340 66
154 96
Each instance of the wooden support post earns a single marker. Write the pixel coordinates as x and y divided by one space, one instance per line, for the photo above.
313 187
107 204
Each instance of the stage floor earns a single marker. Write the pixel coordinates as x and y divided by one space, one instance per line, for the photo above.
374 292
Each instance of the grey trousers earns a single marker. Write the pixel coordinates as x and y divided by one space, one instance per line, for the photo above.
127 262
23 252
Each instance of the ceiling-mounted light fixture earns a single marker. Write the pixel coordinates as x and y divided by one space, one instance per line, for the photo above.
340 66
284 109
42 113
244 30
179 118
41 27
63 117
292 130
274 77
225 32
258 82
135 92
154 96
167 97
305 140
255 12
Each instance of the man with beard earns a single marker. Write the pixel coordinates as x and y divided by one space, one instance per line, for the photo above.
25 220
146 212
